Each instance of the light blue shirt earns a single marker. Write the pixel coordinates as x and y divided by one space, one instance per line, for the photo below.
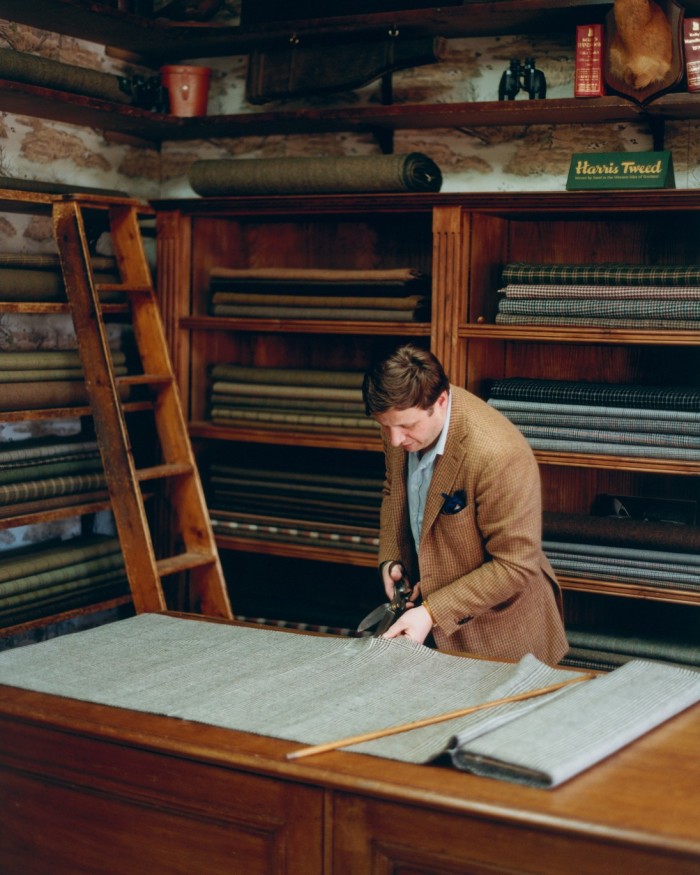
419 475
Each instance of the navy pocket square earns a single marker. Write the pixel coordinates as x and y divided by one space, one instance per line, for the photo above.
453 503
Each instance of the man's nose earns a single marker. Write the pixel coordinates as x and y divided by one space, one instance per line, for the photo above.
396 436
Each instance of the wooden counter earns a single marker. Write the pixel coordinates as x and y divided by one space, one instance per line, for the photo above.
92 789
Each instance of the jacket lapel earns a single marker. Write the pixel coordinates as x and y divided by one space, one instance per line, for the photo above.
444 475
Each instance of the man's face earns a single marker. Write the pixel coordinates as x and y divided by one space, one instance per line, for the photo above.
414 429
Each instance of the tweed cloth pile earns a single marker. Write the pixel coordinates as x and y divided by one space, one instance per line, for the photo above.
41 579
588 722
412 172
293 398
611 296
391 295
577 416
313 689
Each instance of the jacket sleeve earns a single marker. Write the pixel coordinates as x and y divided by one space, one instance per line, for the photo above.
395 542
490 567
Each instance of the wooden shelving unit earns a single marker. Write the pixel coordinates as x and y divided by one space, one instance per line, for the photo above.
158 41
161 40
464 241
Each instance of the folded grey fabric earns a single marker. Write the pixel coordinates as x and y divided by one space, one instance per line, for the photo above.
358 173
585 723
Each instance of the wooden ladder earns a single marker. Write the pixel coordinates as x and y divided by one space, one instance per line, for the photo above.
76 218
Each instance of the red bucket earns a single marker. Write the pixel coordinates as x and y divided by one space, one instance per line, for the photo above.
187 87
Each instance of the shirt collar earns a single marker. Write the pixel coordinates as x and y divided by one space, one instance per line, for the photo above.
439 447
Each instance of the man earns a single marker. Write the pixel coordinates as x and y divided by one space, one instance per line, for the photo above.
461 512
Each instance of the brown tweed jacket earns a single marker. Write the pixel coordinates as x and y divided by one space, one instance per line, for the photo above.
490 588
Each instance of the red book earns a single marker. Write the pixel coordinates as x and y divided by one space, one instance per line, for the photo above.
588 71
691 41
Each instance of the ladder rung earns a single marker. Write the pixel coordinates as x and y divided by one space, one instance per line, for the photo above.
184 562
145 380
174 469
122 287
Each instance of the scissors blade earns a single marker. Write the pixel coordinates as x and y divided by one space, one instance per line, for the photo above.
387 620
376 616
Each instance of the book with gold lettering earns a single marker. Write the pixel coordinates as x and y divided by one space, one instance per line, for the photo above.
588 69
691 41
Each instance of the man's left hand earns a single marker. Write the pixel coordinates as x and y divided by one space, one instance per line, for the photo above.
415 624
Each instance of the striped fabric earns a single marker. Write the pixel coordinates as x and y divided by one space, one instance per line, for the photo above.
514 405
605 394
600 322
32 489
659 422
605 420
613 449
604 435
644 648
594 308
588 722
260 387
601 274
554 290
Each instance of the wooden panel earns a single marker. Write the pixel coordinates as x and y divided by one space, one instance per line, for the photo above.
450 253
90 806
376 838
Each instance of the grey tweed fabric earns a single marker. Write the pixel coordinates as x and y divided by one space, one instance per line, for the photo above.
587 723
316 689
303 688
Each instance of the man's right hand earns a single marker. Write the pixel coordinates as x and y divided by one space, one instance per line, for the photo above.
392 573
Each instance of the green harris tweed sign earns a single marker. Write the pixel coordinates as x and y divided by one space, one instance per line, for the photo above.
620 170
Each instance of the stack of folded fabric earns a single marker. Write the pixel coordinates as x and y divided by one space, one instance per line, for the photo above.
603 418
604 651
43 468
399 295
59 576
33 379
605 295
321 508
288 398
38 278
623 550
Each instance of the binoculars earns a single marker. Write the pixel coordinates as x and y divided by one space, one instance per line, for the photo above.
518 76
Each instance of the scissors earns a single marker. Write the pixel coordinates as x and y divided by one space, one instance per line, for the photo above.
387 614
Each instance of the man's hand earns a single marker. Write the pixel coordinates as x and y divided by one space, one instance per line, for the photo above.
391 577
415 624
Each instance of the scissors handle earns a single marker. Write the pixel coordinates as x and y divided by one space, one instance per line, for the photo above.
402 589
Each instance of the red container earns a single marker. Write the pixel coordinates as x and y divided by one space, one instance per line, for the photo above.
187 87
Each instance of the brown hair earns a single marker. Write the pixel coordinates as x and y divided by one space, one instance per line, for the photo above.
409 377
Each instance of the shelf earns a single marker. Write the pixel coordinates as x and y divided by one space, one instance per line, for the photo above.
161 40
11 516
630 590
298 551
38 308
344 440
70 614
394 117
619 463
68 412
306 326
565 334
46 103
